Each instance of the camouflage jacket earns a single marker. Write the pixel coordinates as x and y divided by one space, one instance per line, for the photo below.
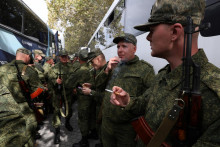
159 99
46 68
8 77
81 76
99 85
63 70
134 77
38 67
12 122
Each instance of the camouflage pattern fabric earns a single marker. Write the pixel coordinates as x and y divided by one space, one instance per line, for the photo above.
38 67
134 76
12 122
46 68
76 64
83 75
66 70
8 77
127 38
159 99
174 11
98 95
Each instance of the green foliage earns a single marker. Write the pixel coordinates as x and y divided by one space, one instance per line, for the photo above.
78 19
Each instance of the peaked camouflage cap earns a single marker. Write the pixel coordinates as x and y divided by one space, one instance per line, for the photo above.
36 51
174 11
94 54
84 55
63 53
25 51
127 38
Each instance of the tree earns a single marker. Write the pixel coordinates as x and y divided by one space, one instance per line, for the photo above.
78 19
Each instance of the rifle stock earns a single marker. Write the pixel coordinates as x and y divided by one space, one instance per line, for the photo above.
144 131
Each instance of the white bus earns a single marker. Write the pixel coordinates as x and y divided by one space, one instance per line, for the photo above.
123 15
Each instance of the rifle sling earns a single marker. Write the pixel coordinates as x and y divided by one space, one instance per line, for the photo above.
166 125
64 114
23 70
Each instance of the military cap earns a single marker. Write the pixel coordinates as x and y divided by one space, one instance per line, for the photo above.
174 11
127 38
83 55
94 54
24 50
39 52
48 58
63 53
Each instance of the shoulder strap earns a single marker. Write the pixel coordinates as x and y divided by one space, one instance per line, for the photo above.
24 70
166 125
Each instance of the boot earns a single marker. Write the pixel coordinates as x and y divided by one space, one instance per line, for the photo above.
57 136
82 143
68 126
93 135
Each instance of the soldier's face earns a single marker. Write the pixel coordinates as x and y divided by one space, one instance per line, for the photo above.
39 57
50 61
96 63
160 40
64 59
126 51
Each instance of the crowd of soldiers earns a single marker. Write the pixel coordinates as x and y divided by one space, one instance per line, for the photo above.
111 94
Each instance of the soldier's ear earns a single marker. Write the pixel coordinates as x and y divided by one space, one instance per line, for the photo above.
177 30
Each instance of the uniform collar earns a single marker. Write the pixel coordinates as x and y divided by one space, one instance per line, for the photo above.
173 78
19 62
135 59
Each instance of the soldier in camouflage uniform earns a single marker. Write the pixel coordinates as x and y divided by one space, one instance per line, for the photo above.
83 75
8 77
12 122
38 57
166 26
135 76
47 66
96 91
62 69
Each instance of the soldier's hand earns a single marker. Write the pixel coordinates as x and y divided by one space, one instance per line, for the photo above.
86 91
74 91
88 85
112 64
119 97
59 81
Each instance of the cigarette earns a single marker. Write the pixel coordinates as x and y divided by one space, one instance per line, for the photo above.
112 91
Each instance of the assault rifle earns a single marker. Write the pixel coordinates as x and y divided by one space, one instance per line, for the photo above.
62 97
188 126
26 92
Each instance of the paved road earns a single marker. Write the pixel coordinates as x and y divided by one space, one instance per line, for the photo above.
67 138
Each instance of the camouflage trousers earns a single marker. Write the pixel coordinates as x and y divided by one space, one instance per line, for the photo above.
84 114
56 122
117 134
